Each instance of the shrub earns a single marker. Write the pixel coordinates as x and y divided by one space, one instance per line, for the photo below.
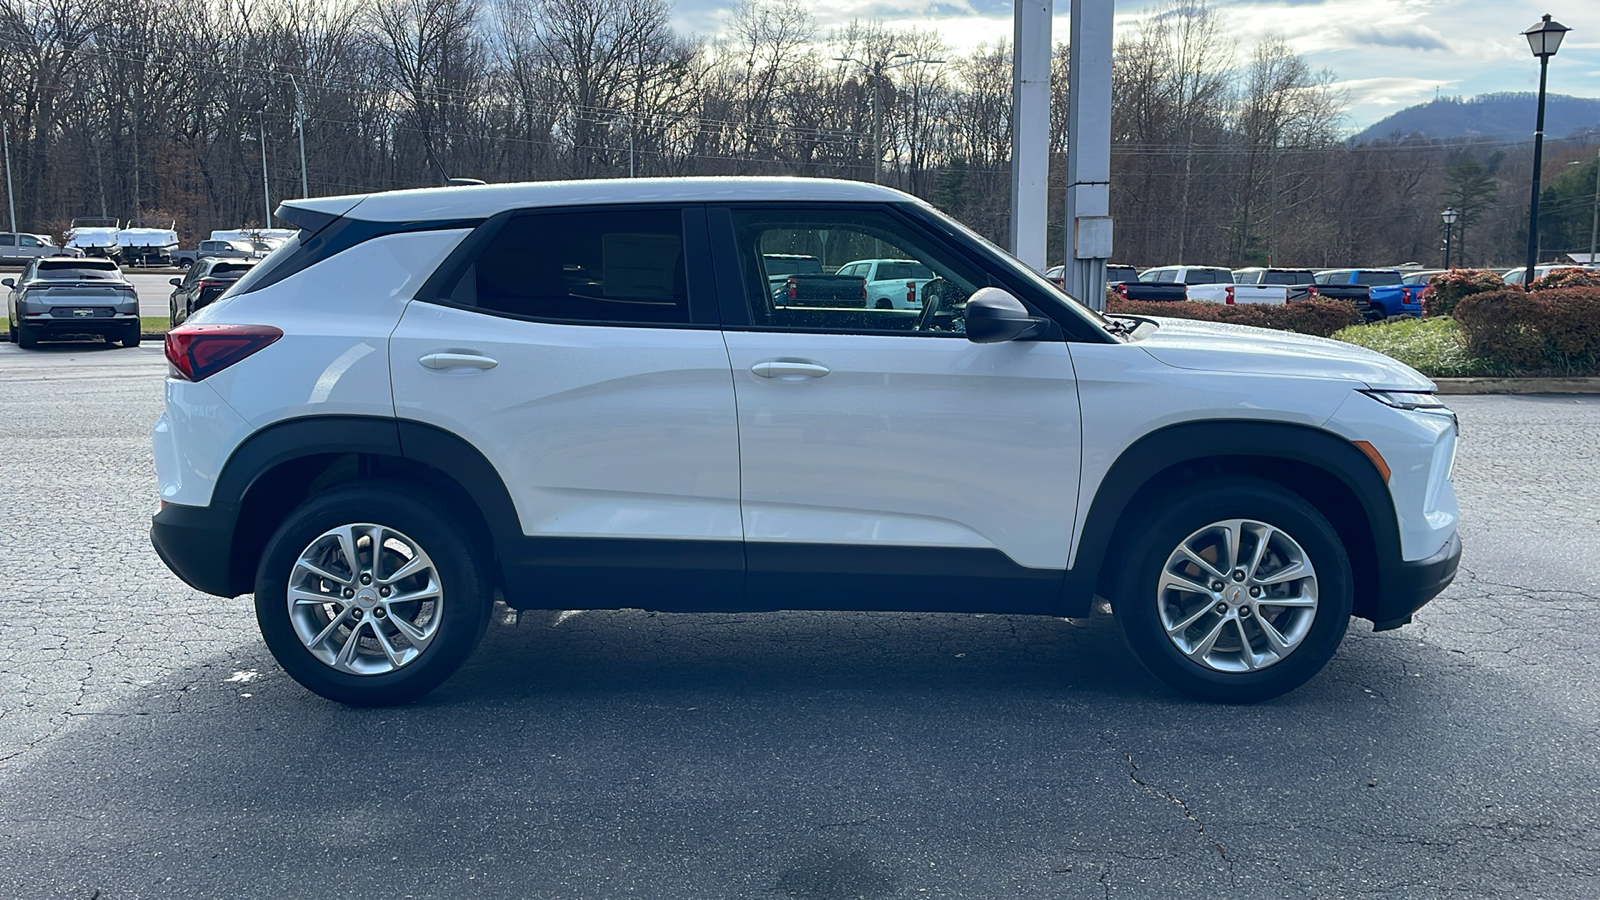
1573 277
1319 317
1433 346
1446 289
1554 330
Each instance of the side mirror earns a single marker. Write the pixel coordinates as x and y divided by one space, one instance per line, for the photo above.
994 317
9 282
175 282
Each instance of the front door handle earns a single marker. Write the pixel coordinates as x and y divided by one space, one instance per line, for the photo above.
458 361
785 368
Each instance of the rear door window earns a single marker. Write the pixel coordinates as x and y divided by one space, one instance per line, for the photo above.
622 267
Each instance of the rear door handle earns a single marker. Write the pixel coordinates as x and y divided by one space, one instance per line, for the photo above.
783 368
458 361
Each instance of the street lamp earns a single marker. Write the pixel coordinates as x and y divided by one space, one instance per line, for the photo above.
1449 216
876 68
1544 38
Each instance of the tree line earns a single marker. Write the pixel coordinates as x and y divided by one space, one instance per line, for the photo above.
162 109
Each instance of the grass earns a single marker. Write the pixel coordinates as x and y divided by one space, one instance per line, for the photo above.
1435 347
147 324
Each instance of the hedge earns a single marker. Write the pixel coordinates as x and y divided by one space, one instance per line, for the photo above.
1446 289
1551 330
1319 317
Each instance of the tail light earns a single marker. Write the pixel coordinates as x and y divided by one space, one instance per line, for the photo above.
1122 290
200 351
1228 295
911 293
863 290
210 284
793 285
1311 292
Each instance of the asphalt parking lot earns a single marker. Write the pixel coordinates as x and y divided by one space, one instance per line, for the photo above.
150 747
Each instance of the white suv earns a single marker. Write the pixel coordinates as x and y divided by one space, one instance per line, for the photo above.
584 395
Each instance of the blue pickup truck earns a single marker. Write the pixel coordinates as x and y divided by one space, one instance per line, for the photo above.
1378 293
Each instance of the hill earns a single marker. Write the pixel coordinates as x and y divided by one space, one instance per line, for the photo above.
1503 116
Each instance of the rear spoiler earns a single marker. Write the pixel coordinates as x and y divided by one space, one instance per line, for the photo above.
313 214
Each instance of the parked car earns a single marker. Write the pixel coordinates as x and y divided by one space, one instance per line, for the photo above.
890 283
204 282
66 297
17 248
796 279
1516 276
215 250
1420 276
1214 284
566 396
1115 274
1377 293
1298 282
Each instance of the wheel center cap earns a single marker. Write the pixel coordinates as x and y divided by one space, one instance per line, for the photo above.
366 598
1236 595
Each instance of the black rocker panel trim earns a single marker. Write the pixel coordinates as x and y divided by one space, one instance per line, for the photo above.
1198 443
623 573
891 579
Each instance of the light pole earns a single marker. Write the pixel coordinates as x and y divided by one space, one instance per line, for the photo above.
1449 216
11 199
1544 38
300 125
876 68
1594 224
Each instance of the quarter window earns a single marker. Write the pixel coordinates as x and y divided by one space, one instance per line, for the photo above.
612 266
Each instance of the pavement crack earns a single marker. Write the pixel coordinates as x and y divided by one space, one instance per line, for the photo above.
1157 792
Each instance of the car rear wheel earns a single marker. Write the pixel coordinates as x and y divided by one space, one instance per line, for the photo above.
371 595
25 338
131 337
1237 592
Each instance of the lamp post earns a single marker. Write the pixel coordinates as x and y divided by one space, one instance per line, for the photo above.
1594 223
876 68
1544 38
1449 216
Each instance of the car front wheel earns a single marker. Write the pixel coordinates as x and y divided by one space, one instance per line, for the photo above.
1238 592
370 595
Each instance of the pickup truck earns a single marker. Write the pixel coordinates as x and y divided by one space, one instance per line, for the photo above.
1377 293
215 250
19 248
1212 284
1299 282
799 280
891 283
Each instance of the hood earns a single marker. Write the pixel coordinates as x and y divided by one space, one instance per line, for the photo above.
1216 347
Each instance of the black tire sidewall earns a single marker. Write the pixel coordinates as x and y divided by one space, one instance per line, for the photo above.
462 573
1162 530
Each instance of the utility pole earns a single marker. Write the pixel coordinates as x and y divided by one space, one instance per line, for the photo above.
300 126
266 192
1594 224
11 197
876 70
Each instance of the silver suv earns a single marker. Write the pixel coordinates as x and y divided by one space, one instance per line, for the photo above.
66 297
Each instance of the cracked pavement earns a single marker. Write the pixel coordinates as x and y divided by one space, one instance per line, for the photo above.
150 747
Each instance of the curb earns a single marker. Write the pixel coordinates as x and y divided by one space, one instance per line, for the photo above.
1518 385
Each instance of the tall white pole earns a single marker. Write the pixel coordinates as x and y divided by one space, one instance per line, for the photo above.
300 126
11 198
1030 131
1088 238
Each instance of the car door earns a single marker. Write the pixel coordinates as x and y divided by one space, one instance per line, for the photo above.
886 461
578 351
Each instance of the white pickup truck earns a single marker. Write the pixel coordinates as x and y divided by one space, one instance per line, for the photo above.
891 283
1214 284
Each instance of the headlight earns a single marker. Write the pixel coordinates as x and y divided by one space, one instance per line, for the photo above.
1409 400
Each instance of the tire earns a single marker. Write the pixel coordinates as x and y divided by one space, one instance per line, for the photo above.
131 339
1148 598
11 330
185 263
884 303
26 339
450 616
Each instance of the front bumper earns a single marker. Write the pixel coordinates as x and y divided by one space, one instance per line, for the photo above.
196 543
1412 584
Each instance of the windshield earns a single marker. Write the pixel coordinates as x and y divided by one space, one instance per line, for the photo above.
77 270
1286 278
902 271
1377 278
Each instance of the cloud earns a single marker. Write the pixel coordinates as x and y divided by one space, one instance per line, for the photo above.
1412 38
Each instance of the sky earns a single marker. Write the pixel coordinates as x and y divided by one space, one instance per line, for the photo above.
1385 54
